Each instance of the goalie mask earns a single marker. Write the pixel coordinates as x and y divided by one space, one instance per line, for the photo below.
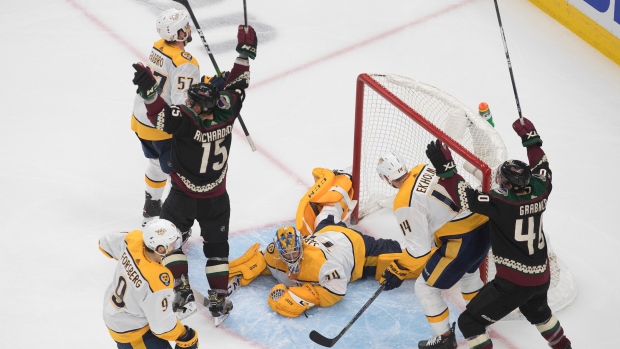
391 167
289 244
161 232
203 94
514 172
170 22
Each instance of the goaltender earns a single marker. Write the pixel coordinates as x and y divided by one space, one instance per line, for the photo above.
315 261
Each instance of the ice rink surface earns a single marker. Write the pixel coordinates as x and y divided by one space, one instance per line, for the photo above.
73 170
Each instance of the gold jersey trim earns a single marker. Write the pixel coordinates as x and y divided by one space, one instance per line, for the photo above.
147 132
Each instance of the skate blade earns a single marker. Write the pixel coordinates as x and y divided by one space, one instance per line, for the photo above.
220 319
186 310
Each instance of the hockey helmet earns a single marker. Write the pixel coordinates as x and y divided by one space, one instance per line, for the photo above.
170 22
515 172
391 167
203 94
289 244
162 232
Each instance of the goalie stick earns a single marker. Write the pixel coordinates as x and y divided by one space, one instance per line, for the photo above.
329 342
217 69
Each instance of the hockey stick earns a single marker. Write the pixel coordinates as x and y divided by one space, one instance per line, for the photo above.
512 78
217 69
245 17
329 342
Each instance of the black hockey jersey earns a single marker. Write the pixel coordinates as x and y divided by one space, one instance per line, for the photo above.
200 148
517 238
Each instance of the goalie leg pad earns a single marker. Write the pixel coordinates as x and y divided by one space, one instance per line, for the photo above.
329 188
294 301
250 265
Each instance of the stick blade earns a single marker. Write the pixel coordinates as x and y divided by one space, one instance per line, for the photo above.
322 340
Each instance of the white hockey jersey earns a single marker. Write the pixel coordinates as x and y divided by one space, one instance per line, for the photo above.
176 70
426 212
140 296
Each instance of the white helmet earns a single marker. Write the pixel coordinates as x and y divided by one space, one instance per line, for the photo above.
161 232
170 22
391 167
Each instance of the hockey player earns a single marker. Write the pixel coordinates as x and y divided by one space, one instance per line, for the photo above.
315 270
449 243
201 139
515 212
137 308
176 70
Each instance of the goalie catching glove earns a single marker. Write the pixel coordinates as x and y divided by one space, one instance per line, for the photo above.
188 340
293 301
146 82
441 158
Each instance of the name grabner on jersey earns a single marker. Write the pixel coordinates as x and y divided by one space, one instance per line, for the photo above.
532 208
212 135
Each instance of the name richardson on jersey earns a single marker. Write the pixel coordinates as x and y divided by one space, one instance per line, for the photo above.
156 59
132 273
205 137
525 210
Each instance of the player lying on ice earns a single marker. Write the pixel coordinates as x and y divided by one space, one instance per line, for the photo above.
314 263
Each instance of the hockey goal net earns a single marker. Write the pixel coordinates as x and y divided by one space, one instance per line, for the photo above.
395 113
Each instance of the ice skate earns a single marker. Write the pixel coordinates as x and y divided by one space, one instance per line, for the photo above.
444 341
219 306
183 304
151 210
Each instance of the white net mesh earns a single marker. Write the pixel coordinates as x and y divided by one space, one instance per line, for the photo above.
385 127
562 291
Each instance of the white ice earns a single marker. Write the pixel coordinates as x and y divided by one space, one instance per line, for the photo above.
73 170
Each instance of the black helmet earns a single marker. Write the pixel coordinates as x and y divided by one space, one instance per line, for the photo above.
515 172
203 94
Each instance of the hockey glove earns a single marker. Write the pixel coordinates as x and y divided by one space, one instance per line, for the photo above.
527 132
293 301
146 82
441 158
188 340
246 42
393 276
217 82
